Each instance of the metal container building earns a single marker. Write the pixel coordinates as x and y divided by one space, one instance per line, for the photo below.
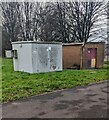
37 57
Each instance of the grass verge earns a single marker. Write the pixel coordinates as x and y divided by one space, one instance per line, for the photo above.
17 85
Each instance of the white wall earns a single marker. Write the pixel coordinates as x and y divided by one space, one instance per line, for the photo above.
35 57
24 61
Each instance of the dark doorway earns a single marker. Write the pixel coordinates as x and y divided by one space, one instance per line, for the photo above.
92 55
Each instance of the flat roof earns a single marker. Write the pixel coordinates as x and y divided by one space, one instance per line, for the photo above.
36 42
81 43
65 44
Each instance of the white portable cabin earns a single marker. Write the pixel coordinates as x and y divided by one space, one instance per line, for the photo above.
8 53
37 57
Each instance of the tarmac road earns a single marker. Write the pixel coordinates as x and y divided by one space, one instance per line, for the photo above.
79 102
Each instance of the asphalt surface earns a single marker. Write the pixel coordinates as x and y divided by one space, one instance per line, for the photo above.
79 102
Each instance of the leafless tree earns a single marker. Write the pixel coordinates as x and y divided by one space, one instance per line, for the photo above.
28 18
83 17
53 21
46 24
9 19
20 20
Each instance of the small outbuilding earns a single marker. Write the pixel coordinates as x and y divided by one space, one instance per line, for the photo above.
37 57
8 53
90 55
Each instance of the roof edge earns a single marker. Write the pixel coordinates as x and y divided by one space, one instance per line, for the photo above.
37 42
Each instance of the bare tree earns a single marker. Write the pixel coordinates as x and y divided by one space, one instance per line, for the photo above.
9 19
29 20
82 19
72 21
53 21
20 20
45 22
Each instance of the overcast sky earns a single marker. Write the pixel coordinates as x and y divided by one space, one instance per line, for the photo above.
52 0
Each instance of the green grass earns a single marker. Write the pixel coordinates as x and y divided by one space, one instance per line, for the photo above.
16 85
0 79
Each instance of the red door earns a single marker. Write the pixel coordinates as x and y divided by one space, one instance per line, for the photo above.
92 52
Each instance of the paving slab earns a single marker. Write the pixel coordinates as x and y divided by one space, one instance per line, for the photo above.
79 102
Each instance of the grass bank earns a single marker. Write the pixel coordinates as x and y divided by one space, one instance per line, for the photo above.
16 85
